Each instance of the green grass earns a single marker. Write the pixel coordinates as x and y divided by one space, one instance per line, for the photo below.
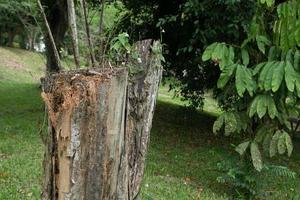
183 153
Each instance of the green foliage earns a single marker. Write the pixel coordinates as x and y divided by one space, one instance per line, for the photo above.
247 182
287 27
241 148
256 156
240 178
186 27
17 18
261 104
266 73
120 47
230 122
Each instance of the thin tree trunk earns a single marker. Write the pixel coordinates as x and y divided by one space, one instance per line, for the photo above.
0 38
11 37
88 35
73 25
56 55
33 41
101 42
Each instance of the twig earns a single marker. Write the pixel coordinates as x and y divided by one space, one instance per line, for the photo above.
91 49
56 55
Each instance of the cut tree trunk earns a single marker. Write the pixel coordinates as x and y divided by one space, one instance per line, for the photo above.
142 93
87 119
99 129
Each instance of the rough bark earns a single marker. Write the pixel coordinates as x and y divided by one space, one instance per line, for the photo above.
142 93
73 25
99 130
87 121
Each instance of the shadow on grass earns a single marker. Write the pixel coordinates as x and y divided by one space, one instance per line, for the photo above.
183 150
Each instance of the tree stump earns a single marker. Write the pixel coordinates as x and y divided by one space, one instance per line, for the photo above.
99 129
86 123
142 93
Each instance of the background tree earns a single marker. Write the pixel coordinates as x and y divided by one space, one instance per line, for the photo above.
57 16
260 83
17 18
197 24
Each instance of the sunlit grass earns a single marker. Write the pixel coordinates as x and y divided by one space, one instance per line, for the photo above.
183 152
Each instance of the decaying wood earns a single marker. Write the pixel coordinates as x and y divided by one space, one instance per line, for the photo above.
99 129
142 93
86 115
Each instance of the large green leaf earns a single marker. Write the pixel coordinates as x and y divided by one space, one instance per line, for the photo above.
277 76
258 68
273 144
218 124
272 110
290 77
208 52
267 141
226 75
262 106
281 144
256 156
264 73
244 81
262 41
268 78
253 107
245 57
297 59
230 123
241 148
288 143
272 54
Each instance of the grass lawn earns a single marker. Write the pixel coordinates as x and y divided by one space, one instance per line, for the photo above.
182 157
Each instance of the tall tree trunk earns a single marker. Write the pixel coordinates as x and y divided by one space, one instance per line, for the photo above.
1 38
73 25
33 41
11 37
99 130
88 35
57 17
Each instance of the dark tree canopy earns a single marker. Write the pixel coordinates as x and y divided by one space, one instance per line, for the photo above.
187 27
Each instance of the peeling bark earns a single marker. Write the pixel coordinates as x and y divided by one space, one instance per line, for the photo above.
99 130
86 115
142 93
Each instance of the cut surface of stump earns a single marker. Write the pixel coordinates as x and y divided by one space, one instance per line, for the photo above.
86 134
